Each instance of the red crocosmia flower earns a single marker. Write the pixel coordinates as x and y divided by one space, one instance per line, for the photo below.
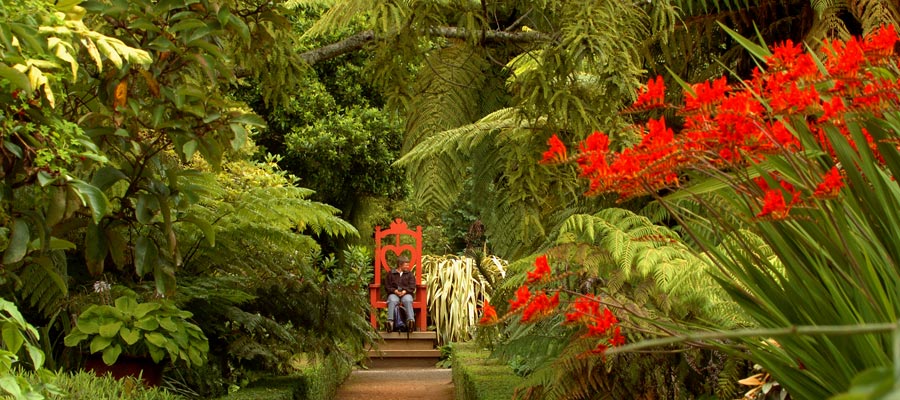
881 42
541 269
774 205
651 96
602 323
522 297
600 349
833 108
831 184
617 339
585 307
539 306
557 151
489 315
706 95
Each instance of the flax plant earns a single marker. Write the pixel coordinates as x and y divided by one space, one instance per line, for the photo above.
456 287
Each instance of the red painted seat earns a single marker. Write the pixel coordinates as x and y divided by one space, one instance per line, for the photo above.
399 240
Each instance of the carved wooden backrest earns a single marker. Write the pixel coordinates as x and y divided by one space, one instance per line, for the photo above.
394 242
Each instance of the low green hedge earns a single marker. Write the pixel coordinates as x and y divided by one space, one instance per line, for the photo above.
316 382
479 377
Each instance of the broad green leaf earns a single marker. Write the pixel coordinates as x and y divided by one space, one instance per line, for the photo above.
13 148
142 309
36 355
16 78
156 353
147 205
107 176
18 242
88 326
75 337
147 324
249 119
117 246
111 354
156 338
127 304
130 336
146 256
189 148
95 249
240 136
93 197
168 324
56 208
12 337
11 386
99 343
111 329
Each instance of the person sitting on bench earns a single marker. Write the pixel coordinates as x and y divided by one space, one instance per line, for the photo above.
401 284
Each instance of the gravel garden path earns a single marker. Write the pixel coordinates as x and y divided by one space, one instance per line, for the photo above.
397 384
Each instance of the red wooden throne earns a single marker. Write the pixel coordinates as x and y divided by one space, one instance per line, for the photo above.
399 240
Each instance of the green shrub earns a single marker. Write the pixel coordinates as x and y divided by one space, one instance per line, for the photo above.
87 386
479 377
322 380
315 382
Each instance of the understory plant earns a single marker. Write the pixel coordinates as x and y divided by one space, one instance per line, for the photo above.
456 287
156 329
792 179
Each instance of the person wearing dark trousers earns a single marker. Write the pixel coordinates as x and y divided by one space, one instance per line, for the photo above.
401 285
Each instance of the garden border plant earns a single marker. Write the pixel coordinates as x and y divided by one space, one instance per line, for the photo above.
804 154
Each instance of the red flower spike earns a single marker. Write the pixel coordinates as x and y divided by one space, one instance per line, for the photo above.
522 297
774 205
831 184
617 339
557 151
540 306
651 96
489 314
541 269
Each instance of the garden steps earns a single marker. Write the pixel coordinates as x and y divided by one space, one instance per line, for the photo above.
397 350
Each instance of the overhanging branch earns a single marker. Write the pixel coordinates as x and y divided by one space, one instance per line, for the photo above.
357 41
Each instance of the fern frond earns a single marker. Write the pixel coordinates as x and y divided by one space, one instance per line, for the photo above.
337 17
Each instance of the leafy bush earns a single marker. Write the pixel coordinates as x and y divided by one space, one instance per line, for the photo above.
318 381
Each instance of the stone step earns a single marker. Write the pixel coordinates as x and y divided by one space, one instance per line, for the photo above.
412 335
400 363
432 353
411 344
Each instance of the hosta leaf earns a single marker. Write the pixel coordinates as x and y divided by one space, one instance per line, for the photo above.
130 336
147 324
99 343
110 330
111 354
72 339
156 338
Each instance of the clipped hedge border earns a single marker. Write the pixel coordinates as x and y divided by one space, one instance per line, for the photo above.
479 377
318 382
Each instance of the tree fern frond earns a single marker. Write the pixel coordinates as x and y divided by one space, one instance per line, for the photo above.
43 283
338 17
875 13
461 139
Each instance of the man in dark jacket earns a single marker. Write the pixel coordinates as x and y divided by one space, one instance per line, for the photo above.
401 284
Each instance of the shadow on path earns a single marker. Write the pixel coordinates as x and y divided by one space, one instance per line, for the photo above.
397 384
